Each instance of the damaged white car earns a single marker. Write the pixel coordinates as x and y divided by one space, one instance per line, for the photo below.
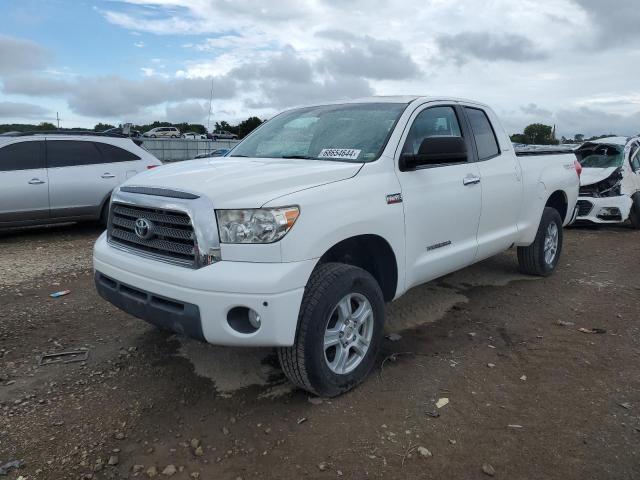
610 182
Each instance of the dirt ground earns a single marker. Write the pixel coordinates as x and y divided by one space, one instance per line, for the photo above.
530 396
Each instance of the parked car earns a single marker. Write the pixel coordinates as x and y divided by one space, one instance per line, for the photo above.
220 152
194 136
52 178
159 132
321 216
610 183
119 131
222 135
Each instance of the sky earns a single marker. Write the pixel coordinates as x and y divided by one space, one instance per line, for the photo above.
572 63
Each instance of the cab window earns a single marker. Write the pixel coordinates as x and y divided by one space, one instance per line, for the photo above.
432 122
485 137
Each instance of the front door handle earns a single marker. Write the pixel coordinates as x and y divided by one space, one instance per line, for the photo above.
470 180
108 175
35 181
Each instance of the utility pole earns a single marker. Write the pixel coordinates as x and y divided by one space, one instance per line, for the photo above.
58 119
210 102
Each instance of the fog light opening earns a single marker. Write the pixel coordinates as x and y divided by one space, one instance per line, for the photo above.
244 320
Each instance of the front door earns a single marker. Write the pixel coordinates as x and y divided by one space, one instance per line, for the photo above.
442 202
24 186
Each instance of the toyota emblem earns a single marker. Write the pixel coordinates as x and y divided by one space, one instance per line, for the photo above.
143 228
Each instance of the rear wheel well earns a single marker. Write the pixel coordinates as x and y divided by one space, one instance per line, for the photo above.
558 201
371 253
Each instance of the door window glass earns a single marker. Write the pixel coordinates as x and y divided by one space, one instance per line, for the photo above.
21 156
432 122
111 153
486 142
71 153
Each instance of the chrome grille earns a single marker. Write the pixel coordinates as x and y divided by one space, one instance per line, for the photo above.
171 236
584 208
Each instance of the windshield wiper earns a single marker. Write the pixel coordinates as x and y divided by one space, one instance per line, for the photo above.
300 157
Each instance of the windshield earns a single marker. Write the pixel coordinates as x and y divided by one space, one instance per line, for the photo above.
349 133
601 156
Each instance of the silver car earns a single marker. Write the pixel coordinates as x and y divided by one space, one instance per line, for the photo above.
54 178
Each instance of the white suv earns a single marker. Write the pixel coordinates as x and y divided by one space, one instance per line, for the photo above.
52 178
171 132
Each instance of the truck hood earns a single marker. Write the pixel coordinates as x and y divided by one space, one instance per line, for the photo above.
245 182
594 175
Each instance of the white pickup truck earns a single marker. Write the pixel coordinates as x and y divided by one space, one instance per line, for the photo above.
298 238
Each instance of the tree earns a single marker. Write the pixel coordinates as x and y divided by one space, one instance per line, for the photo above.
519 138
247 126
539 134
578 138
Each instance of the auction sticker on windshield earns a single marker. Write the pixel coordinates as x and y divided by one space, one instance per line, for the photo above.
342 153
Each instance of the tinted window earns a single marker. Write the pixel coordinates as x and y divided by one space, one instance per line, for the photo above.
111 153
432 122
71 153
483 132
21 156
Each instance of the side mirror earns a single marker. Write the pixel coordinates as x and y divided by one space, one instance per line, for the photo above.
436 151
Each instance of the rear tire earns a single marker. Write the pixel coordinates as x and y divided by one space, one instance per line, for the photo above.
340 328
542 256
634 216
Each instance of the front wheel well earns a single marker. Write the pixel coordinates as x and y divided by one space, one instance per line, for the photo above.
558 201
371 253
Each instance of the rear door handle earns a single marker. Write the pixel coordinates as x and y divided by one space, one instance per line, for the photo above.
35 181
108 175
470 180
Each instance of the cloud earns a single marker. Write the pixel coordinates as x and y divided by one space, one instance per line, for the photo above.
36 85
370 58
596 122
534 110
467 46
615 22
191 111
18 55
22 110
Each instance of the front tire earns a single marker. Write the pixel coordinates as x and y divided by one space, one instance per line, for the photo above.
542 256
340 328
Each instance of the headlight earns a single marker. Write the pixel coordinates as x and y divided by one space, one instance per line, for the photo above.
261 225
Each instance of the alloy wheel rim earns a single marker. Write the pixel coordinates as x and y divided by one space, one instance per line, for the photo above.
348 333
551 243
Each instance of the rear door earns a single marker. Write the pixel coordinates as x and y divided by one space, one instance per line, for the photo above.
501 181
24 186
441 202
80 179
123 163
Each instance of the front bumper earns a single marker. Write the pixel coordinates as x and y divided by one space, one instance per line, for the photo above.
196 302
604 210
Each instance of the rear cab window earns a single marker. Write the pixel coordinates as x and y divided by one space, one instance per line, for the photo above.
483 133
27 155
